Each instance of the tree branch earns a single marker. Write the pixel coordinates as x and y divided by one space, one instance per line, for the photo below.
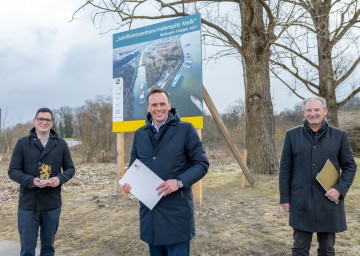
339 33
306 82
301 56
293 90
348 98
349 72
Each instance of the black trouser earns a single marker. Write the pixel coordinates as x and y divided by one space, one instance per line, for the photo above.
179 249
302 243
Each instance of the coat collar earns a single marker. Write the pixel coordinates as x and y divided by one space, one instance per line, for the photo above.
162 134
315 136
173 118
52 134
52 141
324 125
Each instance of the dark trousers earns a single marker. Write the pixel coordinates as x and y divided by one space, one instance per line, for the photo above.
29 223
302 243
179 249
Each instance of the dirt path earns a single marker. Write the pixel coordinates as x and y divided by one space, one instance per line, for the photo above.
231 221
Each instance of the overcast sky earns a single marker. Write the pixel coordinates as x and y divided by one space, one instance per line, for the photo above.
45 60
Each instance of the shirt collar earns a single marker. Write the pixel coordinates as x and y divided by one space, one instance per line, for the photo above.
157 128
46 141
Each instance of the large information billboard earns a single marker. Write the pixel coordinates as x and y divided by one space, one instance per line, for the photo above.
165 55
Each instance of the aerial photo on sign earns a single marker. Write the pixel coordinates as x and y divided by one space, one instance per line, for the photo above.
166 55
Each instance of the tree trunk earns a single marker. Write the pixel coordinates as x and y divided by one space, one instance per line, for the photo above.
320 14
260 121
327 83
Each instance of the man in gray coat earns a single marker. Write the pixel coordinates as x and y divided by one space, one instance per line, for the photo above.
305 151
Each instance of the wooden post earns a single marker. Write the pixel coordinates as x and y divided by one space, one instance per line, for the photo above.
120 142
226 134
243 178
197 188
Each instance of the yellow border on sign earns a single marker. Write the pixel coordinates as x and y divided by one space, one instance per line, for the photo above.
131 126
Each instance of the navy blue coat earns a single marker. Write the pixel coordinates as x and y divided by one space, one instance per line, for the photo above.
28 155
177 153
303 156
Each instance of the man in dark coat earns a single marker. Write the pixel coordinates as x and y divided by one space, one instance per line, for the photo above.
40 163
305 151
173 150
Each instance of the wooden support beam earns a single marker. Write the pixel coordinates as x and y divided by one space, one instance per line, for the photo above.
227 136
197 188
120 146
243 178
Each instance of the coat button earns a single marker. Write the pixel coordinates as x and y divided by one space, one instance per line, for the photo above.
154 157
314 147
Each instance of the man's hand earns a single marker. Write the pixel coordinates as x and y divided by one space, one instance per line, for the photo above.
333 195
286 207
39 184
54 182
167 187
126 187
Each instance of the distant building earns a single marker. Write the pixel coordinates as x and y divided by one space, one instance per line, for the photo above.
72 142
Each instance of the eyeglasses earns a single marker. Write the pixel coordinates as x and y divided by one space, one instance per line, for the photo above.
44 120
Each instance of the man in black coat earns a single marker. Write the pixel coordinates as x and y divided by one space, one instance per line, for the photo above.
173 150
305 151
40 163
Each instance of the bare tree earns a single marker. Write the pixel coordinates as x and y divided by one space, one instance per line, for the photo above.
320 50
257 37
243 29
94 120
9 137
64 122
235 120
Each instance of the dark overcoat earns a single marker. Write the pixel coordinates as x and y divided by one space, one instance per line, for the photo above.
28 155
303 156
176 152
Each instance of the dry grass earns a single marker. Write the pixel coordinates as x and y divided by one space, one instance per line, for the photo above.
232 221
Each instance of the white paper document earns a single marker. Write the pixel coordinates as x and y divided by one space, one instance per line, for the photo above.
143 183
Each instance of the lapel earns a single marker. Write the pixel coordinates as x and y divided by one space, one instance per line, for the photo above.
165 137
44 151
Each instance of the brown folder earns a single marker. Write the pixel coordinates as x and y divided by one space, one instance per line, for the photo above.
328 176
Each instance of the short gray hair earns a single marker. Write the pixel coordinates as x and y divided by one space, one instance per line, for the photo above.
322 100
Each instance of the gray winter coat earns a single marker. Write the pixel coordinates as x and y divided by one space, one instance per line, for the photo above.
303 156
